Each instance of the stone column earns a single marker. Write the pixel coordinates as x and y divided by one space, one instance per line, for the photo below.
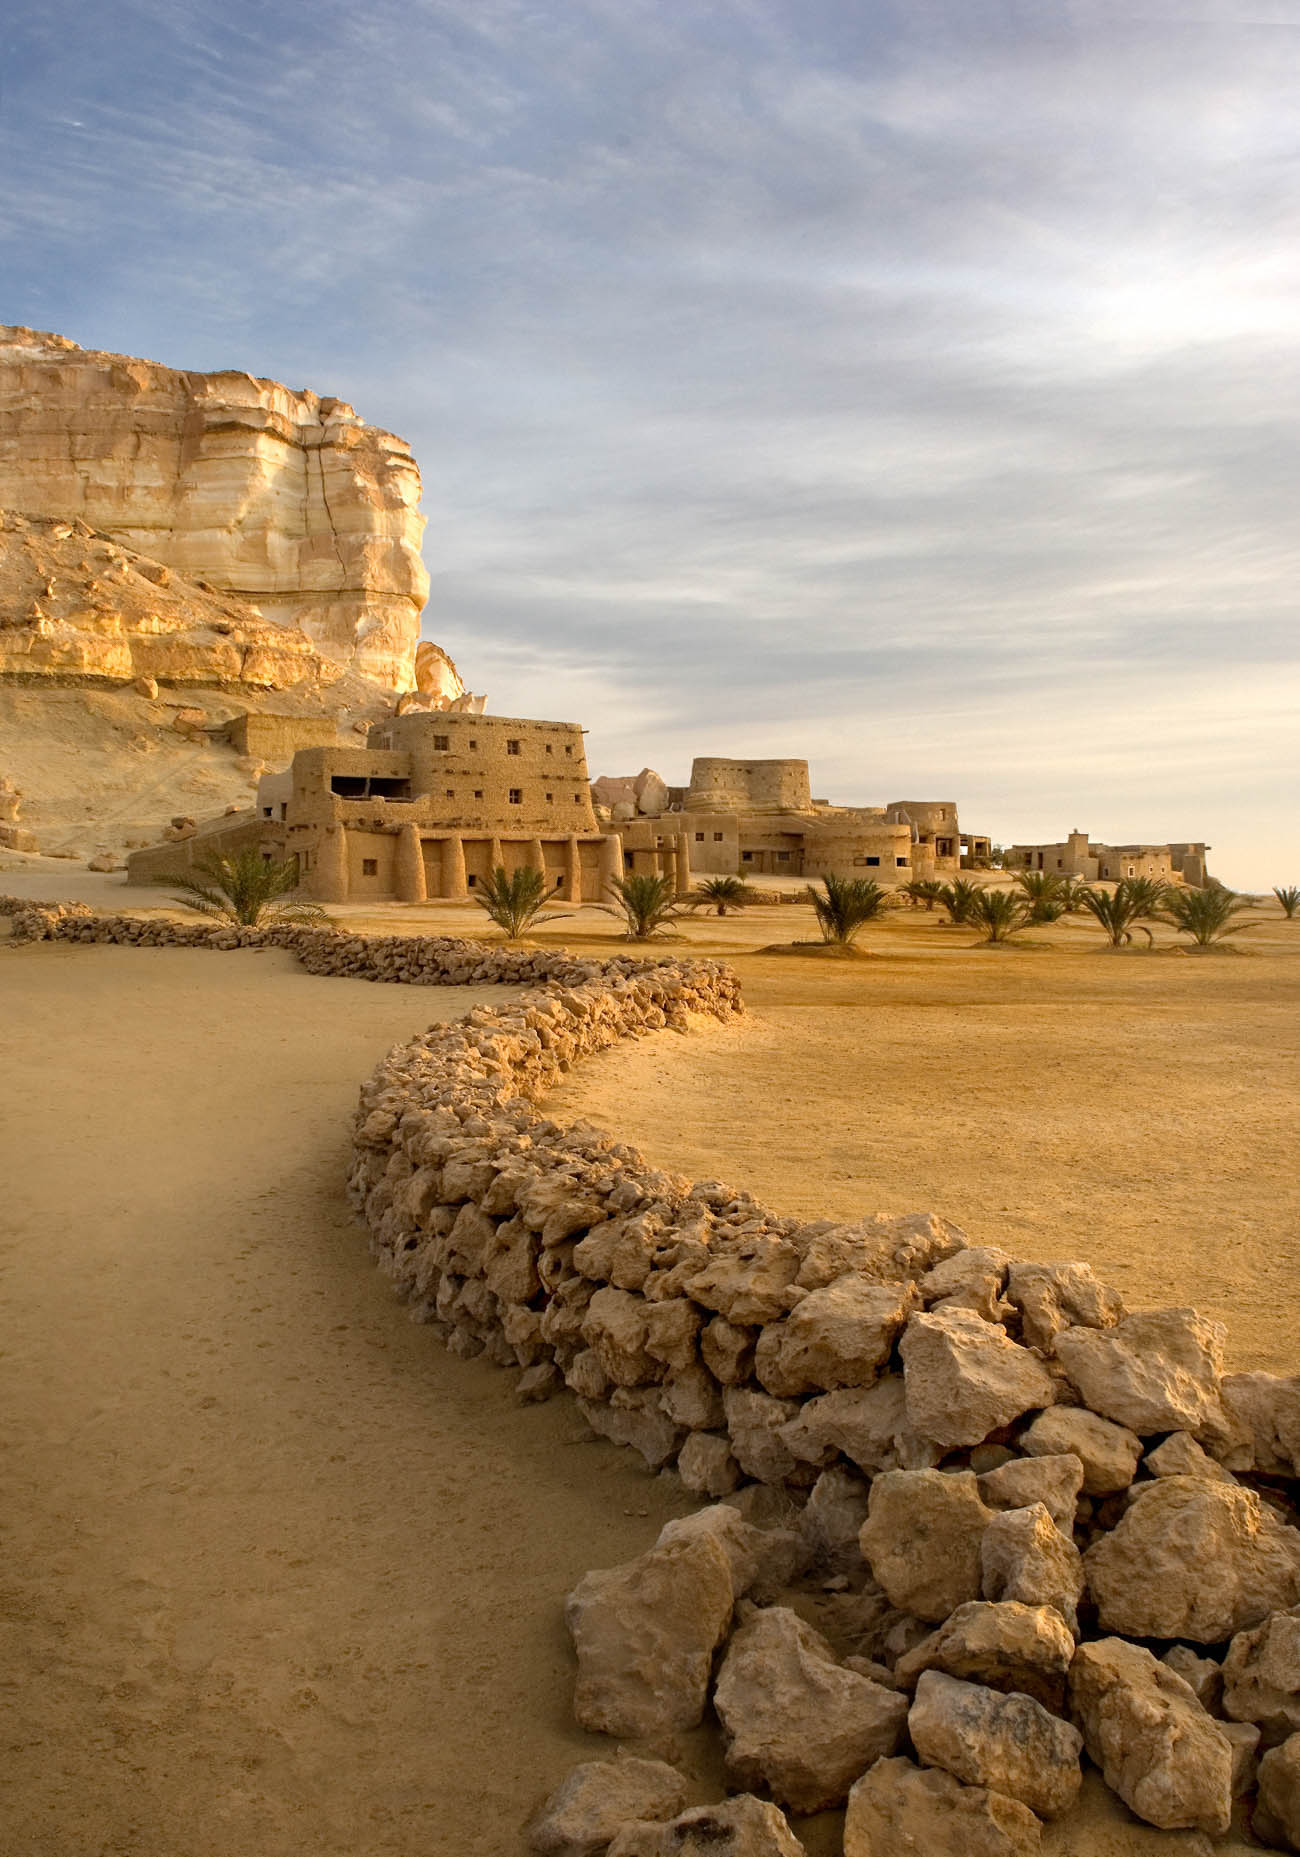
495 859
611 865
331 872
408 874
573 871
536 856
453 867
682 862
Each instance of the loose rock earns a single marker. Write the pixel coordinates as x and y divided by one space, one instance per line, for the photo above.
1007 1743
922 1539
1261 1676
964 1377
1158 1371
739 1827
1006 1646
1053 1481
1025 1557
599 1797
1276 1818
901 1810
1108 1452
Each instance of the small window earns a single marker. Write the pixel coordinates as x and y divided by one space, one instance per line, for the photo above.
900 861
747 857
478 793
549 749
514 747
1131 871
516 796
783 857
370 867
1060 863
451 793
550 798
472 742
568 749
470 882
577 799
559 880
442 742
873 860
627 860
699 838
717 838
267 811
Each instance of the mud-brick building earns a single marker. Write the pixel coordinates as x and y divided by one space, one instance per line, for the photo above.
434 802
1079 856
427 808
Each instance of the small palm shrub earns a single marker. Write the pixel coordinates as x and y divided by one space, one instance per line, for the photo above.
513 899
1000 914
245 889
724 893
1290 901
647 904
1119 910
1205 915
922 890
1047 894
958 898
844 905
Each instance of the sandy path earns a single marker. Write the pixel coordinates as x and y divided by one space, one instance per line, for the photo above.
280 1576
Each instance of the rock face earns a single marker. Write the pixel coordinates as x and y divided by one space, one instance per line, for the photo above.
285 499
75 604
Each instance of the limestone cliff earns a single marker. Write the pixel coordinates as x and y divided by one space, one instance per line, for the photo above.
285 499
77 606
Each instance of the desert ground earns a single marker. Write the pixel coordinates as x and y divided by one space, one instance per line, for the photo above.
283 1576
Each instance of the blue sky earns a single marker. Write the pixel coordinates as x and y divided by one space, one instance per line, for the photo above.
909 387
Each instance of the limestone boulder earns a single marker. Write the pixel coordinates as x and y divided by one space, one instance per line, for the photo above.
1154 1372
1054 1297
832 1518
762 1560
599 1797
755 1422
740 1827
1108 1452
796 1722
1202 1675
1156 1747
1267 1407
964 1377
751 1285
1025 1557
706 1466
1276 1818
1181 1456
869 1425
615 1328
645 1634
1009 1744
1004 1645
1261 1676
898 1809
837 1336
1054 1481
922 1539
971 1279
1193 1559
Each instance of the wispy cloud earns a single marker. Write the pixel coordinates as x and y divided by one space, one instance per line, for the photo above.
909 385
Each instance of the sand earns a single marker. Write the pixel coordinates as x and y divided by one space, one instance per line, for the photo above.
281 1575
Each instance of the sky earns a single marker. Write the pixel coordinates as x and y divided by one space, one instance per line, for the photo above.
910 386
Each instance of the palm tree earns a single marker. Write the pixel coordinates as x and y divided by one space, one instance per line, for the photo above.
725 893
513 899
1118 910
244 888
845 905
1205 915
647 904
922 890
1000 913
1290 901
958 898
1046 893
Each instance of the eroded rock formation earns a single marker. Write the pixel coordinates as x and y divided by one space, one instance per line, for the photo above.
286 499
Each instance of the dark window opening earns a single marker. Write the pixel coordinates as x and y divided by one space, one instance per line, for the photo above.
370 867
550 799
873 860
717 838
569 749
699 838
370 787
549 748
516 796
514 747
442 742
559 880
478 793
470 882
627 860
900 861
747 857
783 857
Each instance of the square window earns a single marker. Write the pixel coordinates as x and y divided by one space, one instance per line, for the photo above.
900 861
717 838
478 793
873 860
747 857
514 747
568 749
451 793
442 742
699 838
473 743
577 799
370 867
516 796
550 798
